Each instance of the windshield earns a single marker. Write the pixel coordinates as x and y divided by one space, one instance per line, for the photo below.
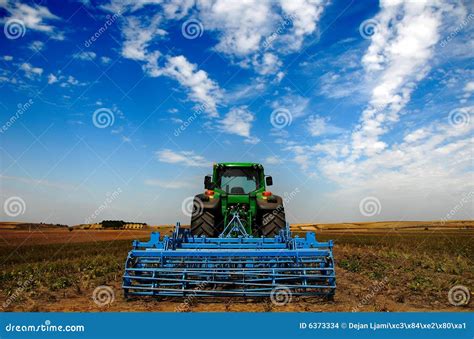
238 180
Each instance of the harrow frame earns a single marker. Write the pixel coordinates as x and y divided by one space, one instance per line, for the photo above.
181 265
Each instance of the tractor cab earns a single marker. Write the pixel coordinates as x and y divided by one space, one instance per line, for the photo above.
238 178
235 180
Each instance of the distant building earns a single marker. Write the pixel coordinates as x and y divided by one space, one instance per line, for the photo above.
134 226
114 225
120 224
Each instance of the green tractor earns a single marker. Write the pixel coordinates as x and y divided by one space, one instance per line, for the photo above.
236 202
238 245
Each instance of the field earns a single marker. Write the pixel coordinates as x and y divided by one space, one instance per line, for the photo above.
390 266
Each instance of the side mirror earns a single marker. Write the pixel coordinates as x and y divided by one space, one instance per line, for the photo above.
269 180
208 184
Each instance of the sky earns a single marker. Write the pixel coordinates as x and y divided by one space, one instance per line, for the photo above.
360 110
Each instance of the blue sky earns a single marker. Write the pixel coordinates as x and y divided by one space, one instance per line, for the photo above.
117 110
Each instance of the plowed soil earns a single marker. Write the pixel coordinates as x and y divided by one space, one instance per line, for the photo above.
388 269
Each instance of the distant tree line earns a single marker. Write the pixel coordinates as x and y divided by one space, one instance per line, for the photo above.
118 223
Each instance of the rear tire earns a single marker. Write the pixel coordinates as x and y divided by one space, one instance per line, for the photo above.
273 222
203 221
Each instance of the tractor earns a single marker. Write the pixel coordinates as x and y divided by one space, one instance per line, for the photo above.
238 244
237 191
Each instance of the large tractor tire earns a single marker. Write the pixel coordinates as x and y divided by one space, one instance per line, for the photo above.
204 221
272 221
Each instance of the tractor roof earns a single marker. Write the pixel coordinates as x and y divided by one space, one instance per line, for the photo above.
238 164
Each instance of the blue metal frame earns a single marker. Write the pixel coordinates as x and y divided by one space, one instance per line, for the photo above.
181 264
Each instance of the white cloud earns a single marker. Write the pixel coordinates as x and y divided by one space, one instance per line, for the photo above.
246 29
202 89
64 80
31 72
131 6
36 46
252 140
399 55
238 121
431 166
333 148
242 93
105 60
139 33
318 126
52 79
273 160
428 158
345 76
416 135
168 183
7 58
280 76
305 15
469 87
34 17
187 158
177 9
267 63
71 80
303 160
241 25
85 55
177 120
294 103
424 175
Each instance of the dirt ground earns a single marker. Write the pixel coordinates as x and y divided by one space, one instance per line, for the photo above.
58 270
60 236
351 290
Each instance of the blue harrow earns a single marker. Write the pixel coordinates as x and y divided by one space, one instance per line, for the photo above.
229 265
